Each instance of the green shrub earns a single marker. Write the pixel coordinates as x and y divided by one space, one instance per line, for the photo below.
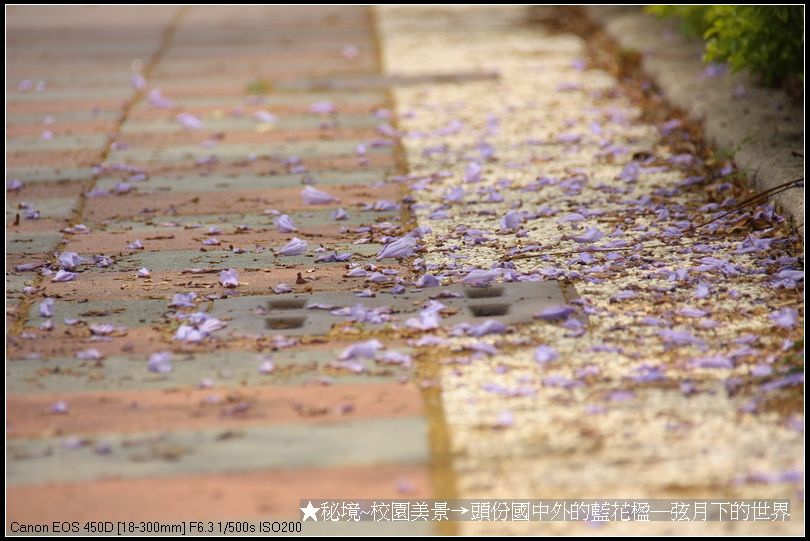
768 40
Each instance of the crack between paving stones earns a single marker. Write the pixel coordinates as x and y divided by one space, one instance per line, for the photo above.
24 307
441 467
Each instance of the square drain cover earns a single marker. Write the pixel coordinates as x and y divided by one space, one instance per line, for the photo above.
510 303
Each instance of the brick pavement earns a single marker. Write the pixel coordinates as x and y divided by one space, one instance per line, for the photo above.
216 438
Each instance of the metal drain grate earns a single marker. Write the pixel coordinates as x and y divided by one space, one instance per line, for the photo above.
510 303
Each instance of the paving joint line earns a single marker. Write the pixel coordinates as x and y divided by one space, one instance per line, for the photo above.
27 301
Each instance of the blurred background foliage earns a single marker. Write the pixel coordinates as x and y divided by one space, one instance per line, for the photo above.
767 40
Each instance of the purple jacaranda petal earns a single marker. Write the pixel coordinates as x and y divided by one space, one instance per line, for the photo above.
454 195
713 361
419 232
785 318
70 260
211 241
352 366
314 196
189 121
473 172
25 267
285 224
383 205
489 326
322 108
64 276
282 288
356 272
545 354
482 277
557 380
630 172
621 396
89 355
160 362
295 247
788 274
624 295
210 324
46 308
792 379
339 214
428 317
14 185
183 300
60 407
511 220
398 249
591 235
188 333
690 311
350 52
652 321
332 257
394 357
377 277
158 100
137 80
555 312
679 338
427 280
104 329
361 350
265 116
143 272
494 196
228 278
753 244
135 245
702 291
761 370
505 419
266 366
361 314
573 217
646 373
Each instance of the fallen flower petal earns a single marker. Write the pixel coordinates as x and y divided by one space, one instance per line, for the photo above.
183 300
555 312
228 278
282 288
361 350
160 362
398 249
89 355
511 220
70 260
785 318
189 121
64 276
285 224
46 308
313 196
545 354
295 247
